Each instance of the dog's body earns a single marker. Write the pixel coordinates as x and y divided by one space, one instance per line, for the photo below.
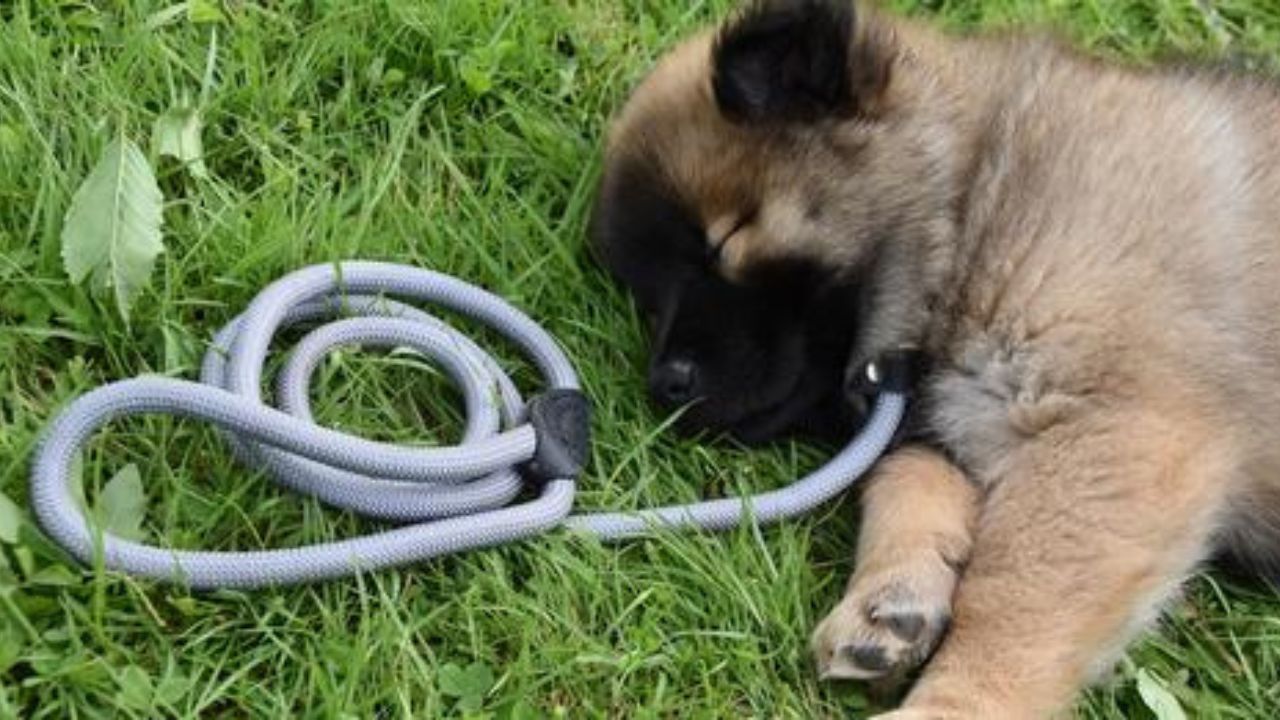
1088 254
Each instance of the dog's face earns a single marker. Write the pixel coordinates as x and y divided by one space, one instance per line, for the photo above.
751 187
751 358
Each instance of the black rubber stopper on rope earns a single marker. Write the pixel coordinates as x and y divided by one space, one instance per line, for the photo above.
894 371
902 369
561 421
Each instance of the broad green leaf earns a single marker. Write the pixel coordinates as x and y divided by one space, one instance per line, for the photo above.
196 12
112 231
54 576
8 579
469 684
33 545
172 688
11 518
478 79
12 643
180 349
136 688
519 710
122 504
393 76
451 682
204 11
177 134
1155 694
188 606
166 16
471 704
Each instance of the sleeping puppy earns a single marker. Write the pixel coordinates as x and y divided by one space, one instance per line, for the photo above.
1088 254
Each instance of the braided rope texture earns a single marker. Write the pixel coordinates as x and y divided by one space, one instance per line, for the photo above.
442 500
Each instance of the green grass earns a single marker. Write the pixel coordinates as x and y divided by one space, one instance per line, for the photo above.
461 136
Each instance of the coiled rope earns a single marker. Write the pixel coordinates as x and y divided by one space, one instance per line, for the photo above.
446 499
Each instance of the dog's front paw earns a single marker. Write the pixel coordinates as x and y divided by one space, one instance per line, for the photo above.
889 621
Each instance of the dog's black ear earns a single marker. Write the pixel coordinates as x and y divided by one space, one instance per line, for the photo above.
796 60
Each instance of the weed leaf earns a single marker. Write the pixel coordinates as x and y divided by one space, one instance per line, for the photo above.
136 688
177 134
10 520
172 688
112 230
204 11
1157 697
122 504
468 684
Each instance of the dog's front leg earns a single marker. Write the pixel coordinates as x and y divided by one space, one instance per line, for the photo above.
918 513
1086 529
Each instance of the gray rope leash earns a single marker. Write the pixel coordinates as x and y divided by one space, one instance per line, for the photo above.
451 498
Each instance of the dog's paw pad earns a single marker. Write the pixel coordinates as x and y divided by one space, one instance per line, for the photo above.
887 623
907 626
872 658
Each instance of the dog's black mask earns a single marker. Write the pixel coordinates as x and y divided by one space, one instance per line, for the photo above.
754 360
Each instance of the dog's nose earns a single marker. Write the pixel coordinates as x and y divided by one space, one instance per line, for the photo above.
674 382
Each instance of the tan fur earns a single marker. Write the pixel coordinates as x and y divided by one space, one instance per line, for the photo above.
1091 254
